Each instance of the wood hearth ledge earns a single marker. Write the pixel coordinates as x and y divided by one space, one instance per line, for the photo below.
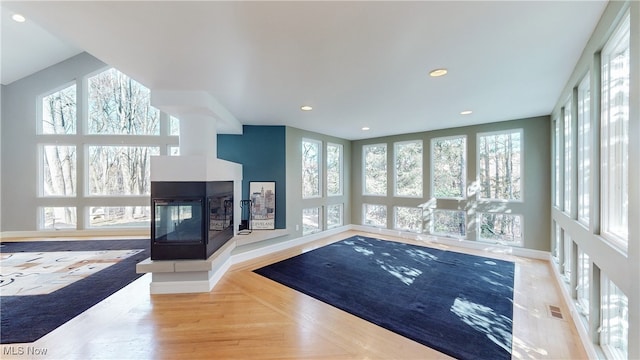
193 276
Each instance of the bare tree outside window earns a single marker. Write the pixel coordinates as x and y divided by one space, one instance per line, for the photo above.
120 105
448 222
408 174
59 170
502 228
311 172
120 170
59 112
334 169
375 169
449 167
500 165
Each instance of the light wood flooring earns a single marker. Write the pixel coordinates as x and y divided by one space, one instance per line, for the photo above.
247 316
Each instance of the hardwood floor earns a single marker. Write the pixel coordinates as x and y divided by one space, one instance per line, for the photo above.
249 317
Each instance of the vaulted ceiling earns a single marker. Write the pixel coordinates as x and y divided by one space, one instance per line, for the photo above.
358 64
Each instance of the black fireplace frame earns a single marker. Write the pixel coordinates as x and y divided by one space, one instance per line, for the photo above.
211 238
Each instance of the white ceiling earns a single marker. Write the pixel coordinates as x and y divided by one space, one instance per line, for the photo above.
357 63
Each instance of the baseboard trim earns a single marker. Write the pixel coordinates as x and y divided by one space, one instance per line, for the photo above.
467 244
103 233
589 346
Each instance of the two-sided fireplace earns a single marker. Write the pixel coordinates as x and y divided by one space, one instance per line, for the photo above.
190 220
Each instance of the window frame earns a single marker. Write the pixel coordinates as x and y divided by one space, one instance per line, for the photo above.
585 150
364 169
40 110
464 165
395 219
568 153
479 135
396 151
340 148
618 237
319 164
81 201
364 216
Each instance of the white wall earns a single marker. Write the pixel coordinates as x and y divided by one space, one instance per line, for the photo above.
19 140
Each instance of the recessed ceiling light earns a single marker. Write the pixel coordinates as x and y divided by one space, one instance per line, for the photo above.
466 112
18 18
365 128
438 72
306 108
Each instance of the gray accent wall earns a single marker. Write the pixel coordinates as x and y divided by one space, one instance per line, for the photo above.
534 207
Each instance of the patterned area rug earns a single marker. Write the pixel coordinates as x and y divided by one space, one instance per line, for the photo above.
41 273
44 284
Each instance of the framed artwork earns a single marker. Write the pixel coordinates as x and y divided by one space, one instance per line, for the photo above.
263 204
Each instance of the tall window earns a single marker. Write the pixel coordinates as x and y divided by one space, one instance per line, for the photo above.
375 169
568 156
556 164
58 170
584 149
116 156
448 167
615 135
614 330
59 111
311 168
334 169
408 174
500 165
407 218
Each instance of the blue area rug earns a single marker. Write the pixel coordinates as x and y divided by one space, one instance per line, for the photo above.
458 304
27 318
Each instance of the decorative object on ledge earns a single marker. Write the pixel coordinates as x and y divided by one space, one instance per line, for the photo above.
263 204
244 228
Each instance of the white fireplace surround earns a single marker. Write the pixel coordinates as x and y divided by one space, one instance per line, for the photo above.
199 114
